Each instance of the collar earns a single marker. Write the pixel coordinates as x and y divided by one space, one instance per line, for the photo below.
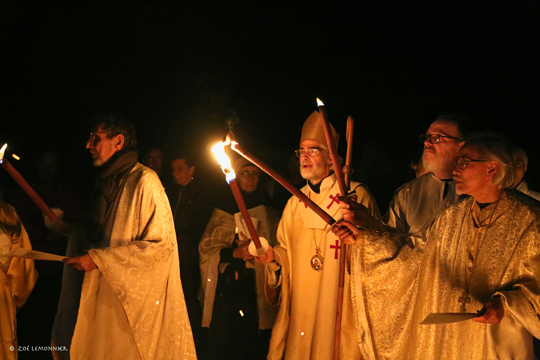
324 185
485 215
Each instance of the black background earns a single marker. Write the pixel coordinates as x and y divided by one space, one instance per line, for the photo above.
179 70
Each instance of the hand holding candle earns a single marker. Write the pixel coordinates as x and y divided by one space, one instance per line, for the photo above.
260 244
25 186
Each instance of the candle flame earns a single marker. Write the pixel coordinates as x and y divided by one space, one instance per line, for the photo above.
2 150
16 157
223 159
319 102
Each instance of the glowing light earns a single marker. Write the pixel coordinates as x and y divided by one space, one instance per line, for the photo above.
2 150
302 333
223 159
209 280
15 157
319 102
157 302
241 313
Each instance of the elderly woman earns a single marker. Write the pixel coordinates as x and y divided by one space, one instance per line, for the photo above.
234 305
480 254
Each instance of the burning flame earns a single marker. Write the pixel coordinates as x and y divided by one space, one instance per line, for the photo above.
16 157
319 102
2 150
223 159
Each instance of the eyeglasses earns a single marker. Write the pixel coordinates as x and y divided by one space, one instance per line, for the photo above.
94 137
435 138
247 174
462 162
311 151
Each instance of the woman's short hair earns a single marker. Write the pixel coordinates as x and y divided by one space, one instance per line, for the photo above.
494 147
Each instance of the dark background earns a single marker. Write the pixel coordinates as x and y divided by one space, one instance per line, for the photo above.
179 71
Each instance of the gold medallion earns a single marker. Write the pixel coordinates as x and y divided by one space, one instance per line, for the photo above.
317 262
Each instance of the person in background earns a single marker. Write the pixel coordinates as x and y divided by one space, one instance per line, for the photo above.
192 203
416 204
521 162
235 308
49 180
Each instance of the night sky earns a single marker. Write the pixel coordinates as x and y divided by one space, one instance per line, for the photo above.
179 71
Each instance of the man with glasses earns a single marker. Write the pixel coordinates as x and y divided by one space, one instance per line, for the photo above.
416 204
302 270
479 261
124 256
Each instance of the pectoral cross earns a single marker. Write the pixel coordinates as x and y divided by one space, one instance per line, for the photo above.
464 299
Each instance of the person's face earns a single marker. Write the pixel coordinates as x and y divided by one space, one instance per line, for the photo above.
519 166
102 148
248 178
315 168
441 156
181 172
474 179
154 160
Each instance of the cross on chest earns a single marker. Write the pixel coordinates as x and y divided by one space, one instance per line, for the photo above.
334 200
336 247
464 300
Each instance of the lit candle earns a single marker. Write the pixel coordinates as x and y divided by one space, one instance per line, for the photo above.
280 179
225 163
25 186
332 148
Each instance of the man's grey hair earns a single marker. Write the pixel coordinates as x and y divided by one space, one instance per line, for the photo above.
461 122
493 147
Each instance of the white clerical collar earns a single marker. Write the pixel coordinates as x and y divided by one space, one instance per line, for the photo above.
325 184
328 182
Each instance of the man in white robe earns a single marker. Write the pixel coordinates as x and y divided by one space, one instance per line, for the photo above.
303 269
416 204
480 254
17 278
131 305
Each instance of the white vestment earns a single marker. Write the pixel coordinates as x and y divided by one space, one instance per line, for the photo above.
397 284
132 306
305 326
220 234
17 278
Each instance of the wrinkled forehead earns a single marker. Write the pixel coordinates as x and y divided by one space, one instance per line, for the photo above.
312 143
443 127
